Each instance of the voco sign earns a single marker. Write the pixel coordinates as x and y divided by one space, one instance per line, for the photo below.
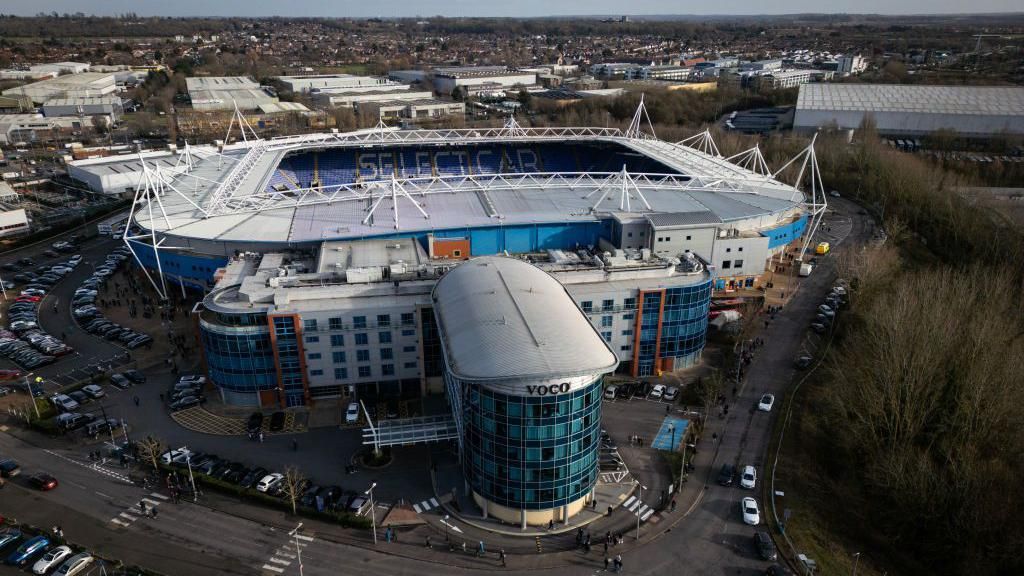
535 390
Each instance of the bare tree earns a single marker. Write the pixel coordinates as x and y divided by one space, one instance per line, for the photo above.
150 449
292 485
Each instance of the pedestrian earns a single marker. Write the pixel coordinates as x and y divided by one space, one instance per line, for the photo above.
480 550
142 506
428 542
605 546
295 445
463 546
161 396
501 555
261 436
673 505
609 511
606 562
136 400
551 524
152 512
668 409
60 533
579 536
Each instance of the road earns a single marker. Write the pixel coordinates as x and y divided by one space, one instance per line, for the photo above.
192 539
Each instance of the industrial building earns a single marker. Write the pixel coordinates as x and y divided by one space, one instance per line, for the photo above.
109 106
418 108
352 99
15 128
84 85
210 93
13 223
630 71
475 78
334 83
912 110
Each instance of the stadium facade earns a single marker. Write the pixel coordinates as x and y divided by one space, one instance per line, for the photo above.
319 254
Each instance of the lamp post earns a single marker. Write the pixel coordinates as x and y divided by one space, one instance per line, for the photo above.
446 516
642 488
298 549
856 560
192 480
373 514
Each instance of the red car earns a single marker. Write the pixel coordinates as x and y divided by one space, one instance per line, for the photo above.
43 481
6 375
28 299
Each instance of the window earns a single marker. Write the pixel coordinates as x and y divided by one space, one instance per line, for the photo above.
338 357
383 320
337 339
629 234
627 332
740 249
668 238
607 304
606 321
689 237
312 339
409 364
737 264
364 371
408 348
607 336
314 355
387 369
316 372
359 322
408 332
587 305
457 253
627 316
728 249
334 323
362 339
340 373
625 347
408 318
725 264
629 303
386 354
362 355
384 337
309 325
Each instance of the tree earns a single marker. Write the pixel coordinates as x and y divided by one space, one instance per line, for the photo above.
293 483
524 98
150 449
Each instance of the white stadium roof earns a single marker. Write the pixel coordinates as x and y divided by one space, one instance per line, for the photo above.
224 197
502 318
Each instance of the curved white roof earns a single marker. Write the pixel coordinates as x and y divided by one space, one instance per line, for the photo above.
504 319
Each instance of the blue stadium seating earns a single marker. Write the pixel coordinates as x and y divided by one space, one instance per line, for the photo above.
335 167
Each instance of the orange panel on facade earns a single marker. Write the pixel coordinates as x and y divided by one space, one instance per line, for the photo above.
454 248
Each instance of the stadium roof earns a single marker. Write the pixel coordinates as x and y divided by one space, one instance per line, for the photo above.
977 100
502 318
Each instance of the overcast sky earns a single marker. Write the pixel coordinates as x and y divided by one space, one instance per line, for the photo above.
513 8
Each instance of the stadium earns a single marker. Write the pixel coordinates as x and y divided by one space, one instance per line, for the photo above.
505 270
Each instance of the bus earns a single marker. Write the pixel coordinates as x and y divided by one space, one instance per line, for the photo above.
113 226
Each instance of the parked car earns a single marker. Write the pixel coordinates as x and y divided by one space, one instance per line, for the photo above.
135 376
269 482
9 537
254 423
120 380
9 468
192 379
51 559
726 474
42 481
748 478
75 565
352 413
64 402
609 392
187 402
252 477
657 392
751 514
79 396
277 421
94 390
766 403
28 550
803 362
765 546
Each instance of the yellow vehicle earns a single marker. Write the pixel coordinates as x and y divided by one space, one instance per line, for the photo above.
822 248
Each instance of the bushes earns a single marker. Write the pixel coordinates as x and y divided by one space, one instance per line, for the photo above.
256 497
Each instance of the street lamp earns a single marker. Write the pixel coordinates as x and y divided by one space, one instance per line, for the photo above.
298 549
638 508
373 515
856 560
191 479
446 517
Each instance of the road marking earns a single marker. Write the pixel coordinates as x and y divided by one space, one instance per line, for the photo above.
416 507
284 554
452 526
647 515
121 522
635 506
304 537
160 496
434 502
128 516
151 502
102 495
273 568
277 560
629 502
121 477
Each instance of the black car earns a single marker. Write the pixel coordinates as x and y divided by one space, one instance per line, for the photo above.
255 422
803 362
135 376
309 497
765 546
80 397
252 477
726 475
277 421
187 402
120 381
233 473
27 262
11 267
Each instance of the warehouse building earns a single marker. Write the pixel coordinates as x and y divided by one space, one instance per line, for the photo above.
468 77
225 92
334 82
352 99
16 128
912 110
84 85
109 106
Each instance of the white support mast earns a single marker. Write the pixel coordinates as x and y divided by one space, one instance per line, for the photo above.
634 129
397 191
818 200
702 142
752 160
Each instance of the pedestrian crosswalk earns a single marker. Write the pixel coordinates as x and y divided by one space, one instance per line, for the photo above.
134 512
287 553
638 508
425 506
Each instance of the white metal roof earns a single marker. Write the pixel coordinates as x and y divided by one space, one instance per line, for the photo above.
912 98
502 318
